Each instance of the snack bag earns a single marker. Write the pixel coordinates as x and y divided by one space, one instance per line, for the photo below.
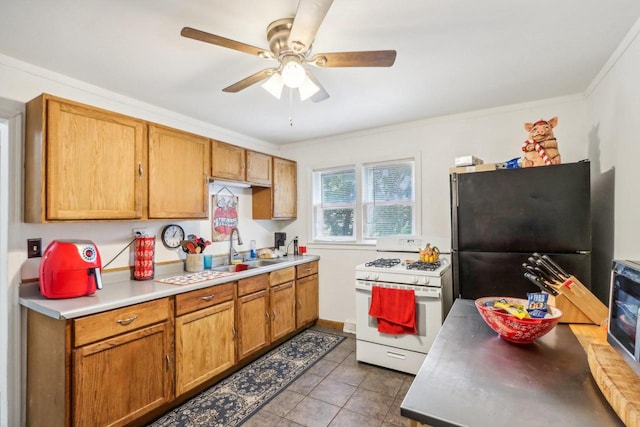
537 304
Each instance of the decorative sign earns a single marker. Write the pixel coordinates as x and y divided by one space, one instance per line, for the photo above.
225 216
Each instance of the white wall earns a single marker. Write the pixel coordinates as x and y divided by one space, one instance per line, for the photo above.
613 114
494 135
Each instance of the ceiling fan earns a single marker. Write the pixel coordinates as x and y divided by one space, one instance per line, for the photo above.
290 42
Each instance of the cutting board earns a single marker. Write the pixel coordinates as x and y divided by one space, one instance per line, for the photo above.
617 381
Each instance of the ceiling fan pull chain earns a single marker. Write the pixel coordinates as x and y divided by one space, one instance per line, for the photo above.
290 107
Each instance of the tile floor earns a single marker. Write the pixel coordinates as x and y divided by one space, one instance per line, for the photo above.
338 391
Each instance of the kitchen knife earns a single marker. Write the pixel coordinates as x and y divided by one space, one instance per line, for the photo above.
556 266
540 284
549 269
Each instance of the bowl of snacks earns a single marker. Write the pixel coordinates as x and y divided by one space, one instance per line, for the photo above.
519 320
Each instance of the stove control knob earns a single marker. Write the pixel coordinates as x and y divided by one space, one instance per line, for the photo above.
425 280
415 279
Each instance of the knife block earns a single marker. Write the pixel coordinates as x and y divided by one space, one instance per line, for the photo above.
578 304
570 313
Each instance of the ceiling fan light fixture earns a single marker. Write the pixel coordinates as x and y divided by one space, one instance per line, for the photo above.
307 89
274 85
293 73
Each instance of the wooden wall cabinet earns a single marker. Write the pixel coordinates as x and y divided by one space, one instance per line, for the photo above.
112 368
259 168
178 174
282 300
306 294
280 200
205 335
227 161
82 163
253 315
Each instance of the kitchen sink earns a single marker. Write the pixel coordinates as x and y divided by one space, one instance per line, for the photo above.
250 265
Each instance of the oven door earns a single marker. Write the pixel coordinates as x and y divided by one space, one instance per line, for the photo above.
428 313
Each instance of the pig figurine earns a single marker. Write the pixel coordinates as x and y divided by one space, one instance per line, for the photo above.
541 148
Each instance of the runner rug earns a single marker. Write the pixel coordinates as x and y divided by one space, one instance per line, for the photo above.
234 399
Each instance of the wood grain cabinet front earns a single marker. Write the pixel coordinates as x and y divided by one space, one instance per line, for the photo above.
280 200
178 174
259 169
253 315
227 161
82 162
76 377
307 294
205 335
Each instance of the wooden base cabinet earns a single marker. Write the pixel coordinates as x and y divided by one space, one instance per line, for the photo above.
117 380
253 315
306 294
282 301
106 369
205 337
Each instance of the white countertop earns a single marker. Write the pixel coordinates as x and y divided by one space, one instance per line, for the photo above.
116 293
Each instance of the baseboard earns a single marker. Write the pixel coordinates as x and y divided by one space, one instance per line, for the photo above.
340 326
330 324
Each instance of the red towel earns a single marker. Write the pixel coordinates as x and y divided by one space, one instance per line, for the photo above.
395 310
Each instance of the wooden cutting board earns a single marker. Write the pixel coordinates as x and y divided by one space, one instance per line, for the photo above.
617 381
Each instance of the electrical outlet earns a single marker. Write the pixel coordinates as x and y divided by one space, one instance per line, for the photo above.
34 248
140 232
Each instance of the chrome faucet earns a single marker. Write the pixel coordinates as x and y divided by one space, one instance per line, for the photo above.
232 251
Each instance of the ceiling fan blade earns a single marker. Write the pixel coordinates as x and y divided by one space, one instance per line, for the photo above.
321 94
202 36
309 16
371 58
252 79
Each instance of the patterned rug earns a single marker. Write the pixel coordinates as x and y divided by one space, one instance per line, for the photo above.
234 399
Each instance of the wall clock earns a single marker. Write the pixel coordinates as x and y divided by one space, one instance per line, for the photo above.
172 235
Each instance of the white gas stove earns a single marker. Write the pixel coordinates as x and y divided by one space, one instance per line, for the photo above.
398 267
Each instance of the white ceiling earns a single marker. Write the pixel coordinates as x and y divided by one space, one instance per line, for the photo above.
453 55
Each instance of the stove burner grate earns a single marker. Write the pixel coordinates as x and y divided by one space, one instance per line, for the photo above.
383 262
424 266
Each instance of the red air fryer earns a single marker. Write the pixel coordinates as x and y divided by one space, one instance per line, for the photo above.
70 268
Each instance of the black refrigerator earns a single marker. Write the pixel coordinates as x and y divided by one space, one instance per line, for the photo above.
499 218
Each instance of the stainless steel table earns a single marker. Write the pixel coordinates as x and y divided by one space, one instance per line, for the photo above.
471 377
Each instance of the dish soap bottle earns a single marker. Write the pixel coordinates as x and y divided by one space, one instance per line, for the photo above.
252 250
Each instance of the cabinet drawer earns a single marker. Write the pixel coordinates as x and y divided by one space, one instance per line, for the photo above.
206 297
307 269
104 325
252 284
282 276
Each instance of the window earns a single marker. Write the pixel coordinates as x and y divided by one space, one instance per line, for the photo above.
388 199
365 201
334 204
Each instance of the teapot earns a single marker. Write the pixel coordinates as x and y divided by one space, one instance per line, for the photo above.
429 254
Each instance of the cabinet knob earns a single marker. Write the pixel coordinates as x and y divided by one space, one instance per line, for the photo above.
208 297
140 170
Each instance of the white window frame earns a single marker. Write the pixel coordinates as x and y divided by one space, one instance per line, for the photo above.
358 213
364 193
316 209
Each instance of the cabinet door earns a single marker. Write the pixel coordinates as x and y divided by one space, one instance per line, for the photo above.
253 324
93 162
258 168
205 345
227 161
279 201
119 379
283 310
284 188
178 174
307 300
